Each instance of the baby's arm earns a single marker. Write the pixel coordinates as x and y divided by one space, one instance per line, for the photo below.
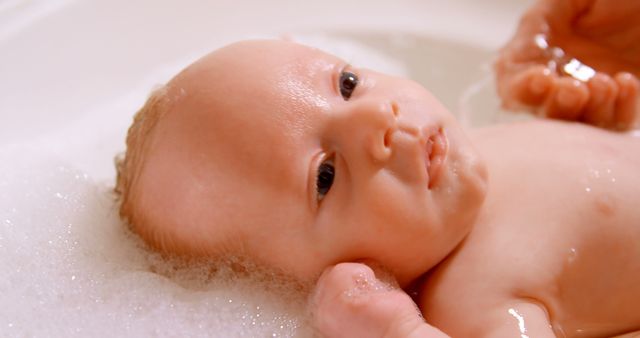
520 319
349 301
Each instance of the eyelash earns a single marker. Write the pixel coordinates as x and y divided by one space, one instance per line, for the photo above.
326 172
347 84
324 178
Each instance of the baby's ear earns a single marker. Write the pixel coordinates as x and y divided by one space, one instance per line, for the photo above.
287 37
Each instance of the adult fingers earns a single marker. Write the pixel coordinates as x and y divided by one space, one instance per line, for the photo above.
600 109
627 104
567 99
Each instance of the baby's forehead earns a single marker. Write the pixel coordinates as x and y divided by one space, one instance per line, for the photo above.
277 83
276 53
263 64
243 111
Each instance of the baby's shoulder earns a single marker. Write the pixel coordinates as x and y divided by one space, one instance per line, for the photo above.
506 267
471 293
501 259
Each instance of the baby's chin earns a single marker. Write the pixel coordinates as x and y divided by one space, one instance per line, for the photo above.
462 191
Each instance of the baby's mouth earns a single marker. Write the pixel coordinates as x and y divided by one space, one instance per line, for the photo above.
436 152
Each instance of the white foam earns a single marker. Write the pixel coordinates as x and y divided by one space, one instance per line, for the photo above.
71 269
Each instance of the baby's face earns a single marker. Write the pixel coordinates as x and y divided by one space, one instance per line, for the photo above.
293 157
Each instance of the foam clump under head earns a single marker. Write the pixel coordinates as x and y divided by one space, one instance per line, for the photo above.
71 269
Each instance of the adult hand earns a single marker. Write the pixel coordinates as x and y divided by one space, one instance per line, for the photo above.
575 60
349 301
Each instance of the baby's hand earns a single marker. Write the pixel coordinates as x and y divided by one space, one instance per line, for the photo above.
575 60
349 301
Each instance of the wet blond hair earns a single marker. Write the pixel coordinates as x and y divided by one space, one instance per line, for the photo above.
130 164
129 167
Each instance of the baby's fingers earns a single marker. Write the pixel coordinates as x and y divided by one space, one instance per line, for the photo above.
342 298
350 301
627 104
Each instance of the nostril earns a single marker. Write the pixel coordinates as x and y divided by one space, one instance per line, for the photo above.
394 108
387 138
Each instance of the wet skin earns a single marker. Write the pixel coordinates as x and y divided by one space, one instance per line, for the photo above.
556 242
236 161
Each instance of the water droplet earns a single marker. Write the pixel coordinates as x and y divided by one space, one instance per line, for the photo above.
578 70
521 323
573 254
587 189
541 41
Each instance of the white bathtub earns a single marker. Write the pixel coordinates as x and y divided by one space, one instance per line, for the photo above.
72 73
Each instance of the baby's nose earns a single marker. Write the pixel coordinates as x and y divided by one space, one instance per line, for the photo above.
376 121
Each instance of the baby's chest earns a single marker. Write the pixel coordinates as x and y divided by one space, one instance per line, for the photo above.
560 228
584 273
568 174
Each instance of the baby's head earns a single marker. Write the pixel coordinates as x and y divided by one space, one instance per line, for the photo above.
288 155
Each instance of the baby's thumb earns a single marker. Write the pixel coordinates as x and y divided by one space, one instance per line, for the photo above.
412 325
401 318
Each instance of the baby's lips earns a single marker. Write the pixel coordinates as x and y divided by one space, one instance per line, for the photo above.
436 148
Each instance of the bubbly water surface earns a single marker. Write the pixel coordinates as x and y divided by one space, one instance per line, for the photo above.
70 269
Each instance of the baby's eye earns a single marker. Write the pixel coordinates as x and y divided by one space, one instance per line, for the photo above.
348 83
324 180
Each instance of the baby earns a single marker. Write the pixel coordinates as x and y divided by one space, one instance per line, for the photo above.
289 156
